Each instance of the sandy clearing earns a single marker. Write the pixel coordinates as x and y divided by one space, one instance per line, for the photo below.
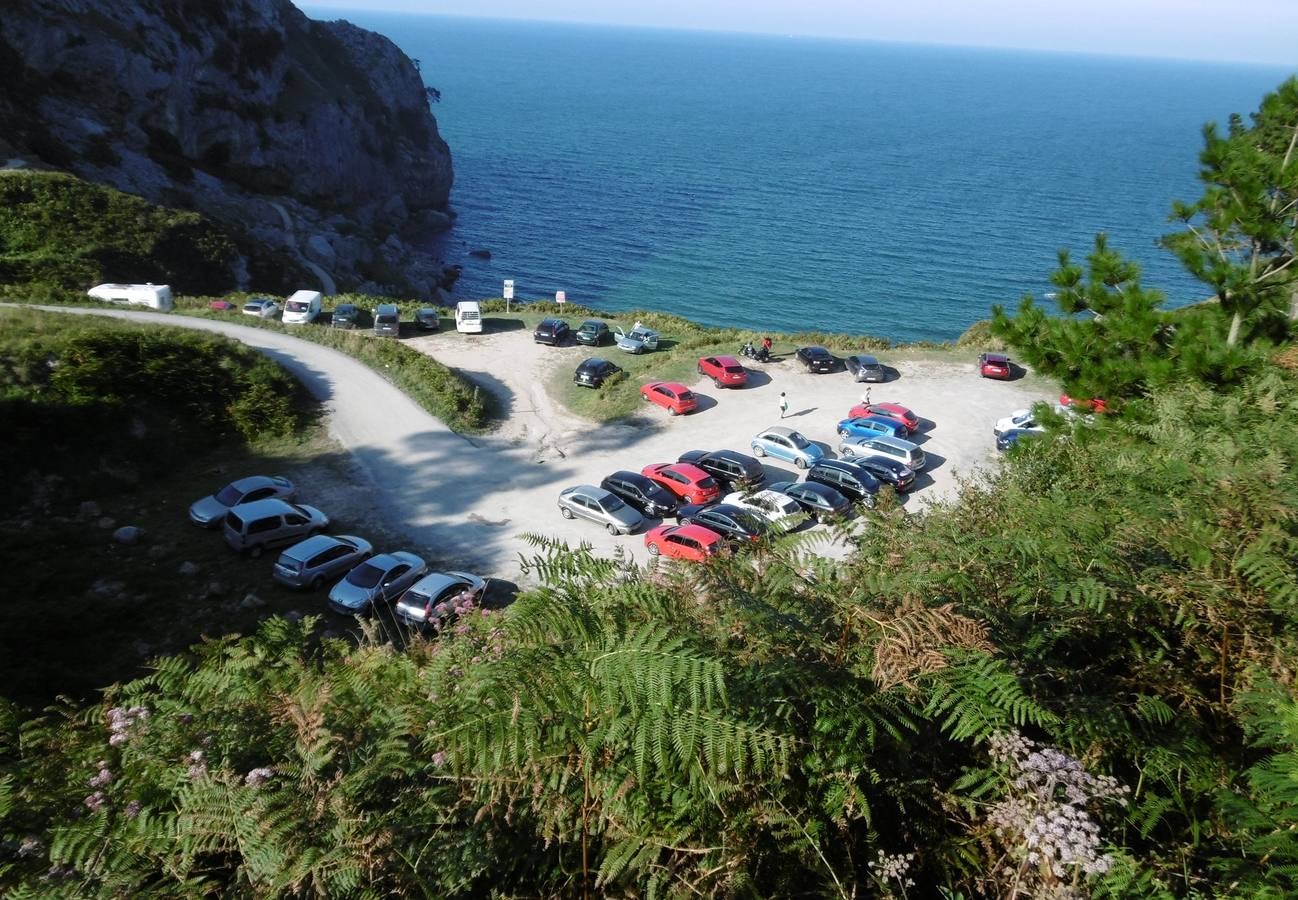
464 502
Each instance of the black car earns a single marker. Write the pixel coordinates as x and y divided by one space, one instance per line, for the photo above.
428 319
551 331
853 481
734 523
865 368
737 471
645 494
816 359
820 500
593 372
593 333
345 315
889 471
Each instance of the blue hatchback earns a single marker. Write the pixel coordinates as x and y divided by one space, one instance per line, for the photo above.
871 426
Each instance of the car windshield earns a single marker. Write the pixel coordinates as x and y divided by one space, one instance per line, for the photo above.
687 395
254 306
386 320
297 306
292 565
734 370
366 575
611 504
228 495
345 311
799 441
414 598
707 482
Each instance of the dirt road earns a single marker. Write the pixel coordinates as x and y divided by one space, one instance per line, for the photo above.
464 502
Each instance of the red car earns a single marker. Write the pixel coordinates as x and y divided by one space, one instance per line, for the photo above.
725 371
1092 405
674 397
994 365
692 542
894 411
686 481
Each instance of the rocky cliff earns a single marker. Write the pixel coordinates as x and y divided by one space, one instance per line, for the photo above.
314 137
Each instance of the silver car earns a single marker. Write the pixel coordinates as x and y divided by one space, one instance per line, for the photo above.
381 577
310 563
589 502
893 448
637 340
437 598
261 307
208 512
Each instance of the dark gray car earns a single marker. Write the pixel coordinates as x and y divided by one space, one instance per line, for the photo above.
866 368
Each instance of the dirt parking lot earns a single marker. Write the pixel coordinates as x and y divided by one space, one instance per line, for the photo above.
515 474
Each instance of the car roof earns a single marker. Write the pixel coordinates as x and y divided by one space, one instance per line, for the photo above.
814 487
734 456
586 490
866 359
345 306
252 482
996 357
433 584
594 322
890 441
642 480
690 470
594 362
698 532
385 308
552 320
265 507
305 549
892 405
726 361
672 385
777 429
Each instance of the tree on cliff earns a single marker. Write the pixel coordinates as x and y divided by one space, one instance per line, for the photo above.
1239 237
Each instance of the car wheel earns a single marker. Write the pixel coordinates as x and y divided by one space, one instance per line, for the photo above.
716 382
611 528
567 513
673 411
255 551
686 520
842 432
758 451
644 397
653 550
800 463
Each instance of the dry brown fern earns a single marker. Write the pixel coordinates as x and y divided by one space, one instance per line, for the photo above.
912 640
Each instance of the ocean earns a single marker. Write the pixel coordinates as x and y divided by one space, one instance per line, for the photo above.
798 183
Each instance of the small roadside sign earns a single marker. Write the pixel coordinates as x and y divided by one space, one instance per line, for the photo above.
560 296
508 292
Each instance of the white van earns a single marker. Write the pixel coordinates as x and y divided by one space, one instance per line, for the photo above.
302 308
468 317
154 296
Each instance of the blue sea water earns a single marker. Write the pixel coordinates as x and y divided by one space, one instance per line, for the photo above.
791 183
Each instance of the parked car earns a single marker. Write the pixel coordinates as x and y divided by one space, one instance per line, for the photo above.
691 542
725 371
209 511
888 470
821 501
387 320
433 600
345 315
734 523
994 365
731 469
672 396
816 359
255 527
221 305
379 578
893 448
428 319
788 445
593 372
871 425
866 368
593 333
1083 405
645 494
770 505
551 331
1021 418
689 482
261 307
312 562
638 340
599 506
852 481
302 308
1007 439
889 410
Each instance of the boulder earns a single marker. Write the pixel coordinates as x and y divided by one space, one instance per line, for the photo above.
188 569
128 535
251 601
106 522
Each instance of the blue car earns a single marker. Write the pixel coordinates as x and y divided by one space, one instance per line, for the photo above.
1008 439
871 426
788 445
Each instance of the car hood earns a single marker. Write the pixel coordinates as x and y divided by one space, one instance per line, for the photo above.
627 515
349 595
209 509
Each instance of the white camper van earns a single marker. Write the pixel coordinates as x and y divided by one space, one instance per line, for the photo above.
302 308
154 296
468 317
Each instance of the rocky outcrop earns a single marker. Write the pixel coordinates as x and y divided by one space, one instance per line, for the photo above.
247 111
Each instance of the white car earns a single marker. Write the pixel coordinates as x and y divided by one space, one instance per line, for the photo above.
262 307
637 340
1022 419
769 505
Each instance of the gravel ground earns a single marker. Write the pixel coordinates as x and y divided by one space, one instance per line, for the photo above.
464 502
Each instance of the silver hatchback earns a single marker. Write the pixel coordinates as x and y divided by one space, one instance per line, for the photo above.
589 502
310 563
381 577
208 512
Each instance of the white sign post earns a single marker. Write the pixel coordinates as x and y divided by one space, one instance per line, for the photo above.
508 292
561 297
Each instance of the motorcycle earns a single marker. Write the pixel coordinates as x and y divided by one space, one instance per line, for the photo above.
761 354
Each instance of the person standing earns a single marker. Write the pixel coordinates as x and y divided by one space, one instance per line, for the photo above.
784 404
865 398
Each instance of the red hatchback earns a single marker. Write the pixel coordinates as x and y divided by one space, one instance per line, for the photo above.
686 481
692 542
725 371
894 411
994 365
1092 405
670 395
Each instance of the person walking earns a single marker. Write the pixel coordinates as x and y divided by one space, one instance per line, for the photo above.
784 404
865 398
